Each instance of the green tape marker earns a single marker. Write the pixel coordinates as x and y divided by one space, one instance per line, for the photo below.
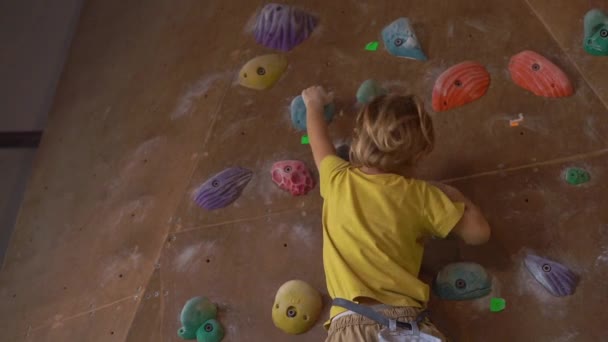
304 140
497 304
371 46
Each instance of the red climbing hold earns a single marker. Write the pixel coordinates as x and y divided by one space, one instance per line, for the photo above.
459 85
537 74
292 176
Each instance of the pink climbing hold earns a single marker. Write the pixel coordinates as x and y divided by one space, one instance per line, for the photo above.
292 176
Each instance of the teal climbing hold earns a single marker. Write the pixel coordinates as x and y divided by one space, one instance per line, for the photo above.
577 176
298 113
195 312
369 90
596 33
497 304
210 331
462 281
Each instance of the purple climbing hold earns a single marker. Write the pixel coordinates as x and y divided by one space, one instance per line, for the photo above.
223 188
283 27
555 277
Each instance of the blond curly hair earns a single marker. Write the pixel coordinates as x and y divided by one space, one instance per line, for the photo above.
392 133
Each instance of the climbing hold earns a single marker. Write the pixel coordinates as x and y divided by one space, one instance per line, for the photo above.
292 176
462 281
343 151
596 33
283 27
223 188
304 140
555 277
210 331
195 312
400 40
459 85
537 74
576 176
497 304
368 90
516 122
371 46
298 113
296 307
262 72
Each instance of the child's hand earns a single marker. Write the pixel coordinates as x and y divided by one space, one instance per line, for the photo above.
315 98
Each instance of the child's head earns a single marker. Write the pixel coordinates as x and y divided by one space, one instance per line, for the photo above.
392 133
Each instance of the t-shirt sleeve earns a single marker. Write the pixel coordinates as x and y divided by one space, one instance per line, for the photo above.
329 170
440 213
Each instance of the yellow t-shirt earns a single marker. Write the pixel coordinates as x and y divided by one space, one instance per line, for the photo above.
372 231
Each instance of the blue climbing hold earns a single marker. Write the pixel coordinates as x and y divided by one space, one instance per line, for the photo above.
298 113
400 40
462 281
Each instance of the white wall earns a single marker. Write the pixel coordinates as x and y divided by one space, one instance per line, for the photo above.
35 37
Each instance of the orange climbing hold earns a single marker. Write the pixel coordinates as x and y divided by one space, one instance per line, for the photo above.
537 74
459 85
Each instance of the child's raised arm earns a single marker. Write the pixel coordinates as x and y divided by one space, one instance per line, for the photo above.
320 143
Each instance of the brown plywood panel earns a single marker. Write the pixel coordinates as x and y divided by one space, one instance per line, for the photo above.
240 266
564 20
107 325
95 216
535 210
147 322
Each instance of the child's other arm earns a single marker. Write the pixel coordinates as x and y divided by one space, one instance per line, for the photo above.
473 228
314 99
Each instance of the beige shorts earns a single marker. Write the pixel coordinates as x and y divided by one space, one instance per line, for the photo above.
354 327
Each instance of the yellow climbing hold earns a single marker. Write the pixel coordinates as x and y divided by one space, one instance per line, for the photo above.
262 72
296 307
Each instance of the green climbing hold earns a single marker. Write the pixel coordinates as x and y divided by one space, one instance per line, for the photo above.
596 33
210 331
304 140
368 91
371 46
196 311
497 304
577 176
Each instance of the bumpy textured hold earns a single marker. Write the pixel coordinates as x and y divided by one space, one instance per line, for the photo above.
262 72
459 85
296 307
195 312
298 113
462 281
596 33
210 331
537 74
400 40
368 90
223 188
555 277
292 176
283 27
576 176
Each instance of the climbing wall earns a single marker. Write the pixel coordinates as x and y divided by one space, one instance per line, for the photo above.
109 244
